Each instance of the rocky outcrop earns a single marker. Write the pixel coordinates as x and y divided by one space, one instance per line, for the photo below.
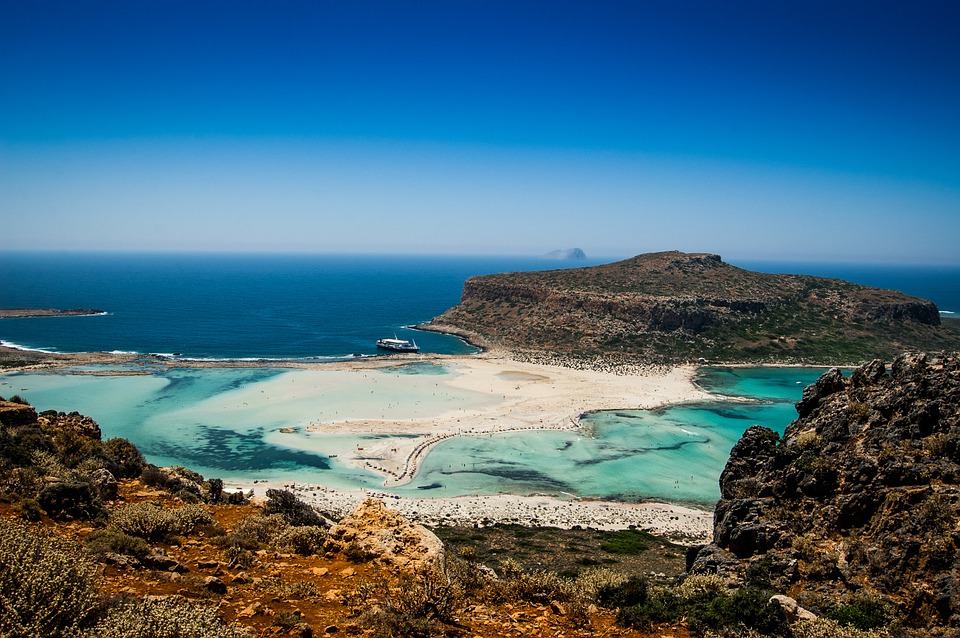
14 414
74 422
374 532
679 306
860 496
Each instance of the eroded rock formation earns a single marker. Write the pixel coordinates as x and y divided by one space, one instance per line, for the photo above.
860 496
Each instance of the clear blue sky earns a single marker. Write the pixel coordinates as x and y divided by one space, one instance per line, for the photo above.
811 131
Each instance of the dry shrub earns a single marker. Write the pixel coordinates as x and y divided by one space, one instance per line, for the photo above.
46 585
152 521
306 540
537 586
419 606
255 532
701 585
591 582
826 628
171 617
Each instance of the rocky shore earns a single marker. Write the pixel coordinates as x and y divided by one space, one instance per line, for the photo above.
681 524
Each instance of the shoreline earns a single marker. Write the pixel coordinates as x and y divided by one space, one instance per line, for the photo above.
685 524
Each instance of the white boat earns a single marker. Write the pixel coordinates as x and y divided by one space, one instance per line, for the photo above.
398 345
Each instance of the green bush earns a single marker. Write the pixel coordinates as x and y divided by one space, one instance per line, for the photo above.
125 459
826 628
862 613
747 607
292 509
661 606
630 593
110 540
70 500
46 585
164 618
627 542
153 522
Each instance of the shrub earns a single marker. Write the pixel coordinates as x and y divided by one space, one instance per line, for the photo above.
29 510
74 448
153 476
151 521
161 618
661 606
293 510
536 586
110 540
124 457
414 608
627 594
826 628
306 540
862 613
628 542
747 607
702 585
70 500
591 582
254 532
46 586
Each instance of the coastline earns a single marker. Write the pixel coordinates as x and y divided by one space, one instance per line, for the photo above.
681 523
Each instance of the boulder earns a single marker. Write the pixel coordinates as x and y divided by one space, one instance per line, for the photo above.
104 483
374 532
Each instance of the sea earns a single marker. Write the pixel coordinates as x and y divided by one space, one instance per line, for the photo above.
291 306
224 422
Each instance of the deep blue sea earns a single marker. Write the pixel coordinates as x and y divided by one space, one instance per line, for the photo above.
236 306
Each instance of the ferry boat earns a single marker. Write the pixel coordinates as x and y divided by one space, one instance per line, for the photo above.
398 345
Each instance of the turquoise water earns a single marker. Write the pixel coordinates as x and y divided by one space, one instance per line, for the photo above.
676 453
227 422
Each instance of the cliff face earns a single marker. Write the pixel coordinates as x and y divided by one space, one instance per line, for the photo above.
862 494
670 306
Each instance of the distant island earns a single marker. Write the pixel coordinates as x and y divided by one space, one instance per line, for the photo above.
671 307
566 254
20 313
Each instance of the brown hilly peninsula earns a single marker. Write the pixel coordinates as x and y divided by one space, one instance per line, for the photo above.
671 306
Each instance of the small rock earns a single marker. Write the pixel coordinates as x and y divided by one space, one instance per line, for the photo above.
215 585
319 571
250 611
792 609
330 629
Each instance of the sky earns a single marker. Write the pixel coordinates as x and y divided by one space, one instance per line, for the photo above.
759 130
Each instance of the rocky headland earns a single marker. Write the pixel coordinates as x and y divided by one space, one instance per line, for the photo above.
673 306
859 500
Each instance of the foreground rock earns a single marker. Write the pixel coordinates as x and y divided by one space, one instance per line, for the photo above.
373 532
861 497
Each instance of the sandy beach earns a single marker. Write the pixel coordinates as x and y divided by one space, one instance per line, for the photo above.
472 395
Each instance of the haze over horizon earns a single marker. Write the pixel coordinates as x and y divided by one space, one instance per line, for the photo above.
810 132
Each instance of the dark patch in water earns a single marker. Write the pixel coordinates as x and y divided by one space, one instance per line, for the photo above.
430 486
228 450
521 474
566 446
643 450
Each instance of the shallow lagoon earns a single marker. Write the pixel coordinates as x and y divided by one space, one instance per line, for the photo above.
227 422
